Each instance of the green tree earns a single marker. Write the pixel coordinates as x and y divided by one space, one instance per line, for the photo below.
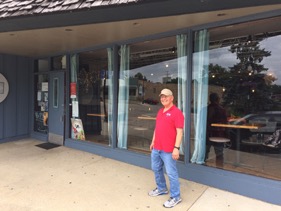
218 75
174 81
140 76
248 91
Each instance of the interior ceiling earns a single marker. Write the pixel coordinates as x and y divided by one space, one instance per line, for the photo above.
53 41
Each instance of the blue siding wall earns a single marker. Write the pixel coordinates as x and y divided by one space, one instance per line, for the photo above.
14 110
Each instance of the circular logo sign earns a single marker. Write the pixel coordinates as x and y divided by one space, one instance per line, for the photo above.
4 88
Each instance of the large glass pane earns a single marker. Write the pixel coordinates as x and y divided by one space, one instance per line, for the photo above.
91 96
58 62
41 65
145 69
41 103
238 69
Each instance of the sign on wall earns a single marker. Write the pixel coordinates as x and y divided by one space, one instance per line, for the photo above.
4 88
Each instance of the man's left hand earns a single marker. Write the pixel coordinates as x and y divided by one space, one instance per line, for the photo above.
176 154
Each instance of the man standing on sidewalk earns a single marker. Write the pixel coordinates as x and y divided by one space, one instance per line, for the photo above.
165 148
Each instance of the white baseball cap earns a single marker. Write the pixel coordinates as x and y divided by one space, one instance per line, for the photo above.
166 92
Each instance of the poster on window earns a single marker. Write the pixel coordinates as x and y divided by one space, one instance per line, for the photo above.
45 118
39 96
77 131
44 87
75 109
45 96
72 90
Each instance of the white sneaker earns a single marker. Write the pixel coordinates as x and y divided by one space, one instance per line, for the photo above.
172 202
156 192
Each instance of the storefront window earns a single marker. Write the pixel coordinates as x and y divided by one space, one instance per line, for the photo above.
237 67
41 103
58 62
91 91
41 65
145 69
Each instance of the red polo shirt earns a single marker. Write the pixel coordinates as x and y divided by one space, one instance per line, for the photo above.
166 128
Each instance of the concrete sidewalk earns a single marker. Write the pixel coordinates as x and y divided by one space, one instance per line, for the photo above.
58 179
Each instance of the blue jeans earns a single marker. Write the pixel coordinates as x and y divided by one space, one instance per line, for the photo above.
158 160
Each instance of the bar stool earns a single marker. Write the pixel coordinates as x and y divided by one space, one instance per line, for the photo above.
226 144
224 140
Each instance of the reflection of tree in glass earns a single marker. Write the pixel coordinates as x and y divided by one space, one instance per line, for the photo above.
250 56
86 79
246 84
140 77
174 81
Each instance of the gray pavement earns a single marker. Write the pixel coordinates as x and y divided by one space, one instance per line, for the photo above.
36 179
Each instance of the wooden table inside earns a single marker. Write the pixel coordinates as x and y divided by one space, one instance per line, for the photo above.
245 126
99 115
238 127
147 117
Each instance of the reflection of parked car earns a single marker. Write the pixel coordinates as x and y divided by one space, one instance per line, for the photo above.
261 118
268 123
151 101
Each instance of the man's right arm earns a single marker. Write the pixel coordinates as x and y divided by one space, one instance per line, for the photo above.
152 142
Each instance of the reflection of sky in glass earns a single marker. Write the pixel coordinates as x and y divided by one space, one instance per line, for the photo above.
273 62
224 58
221 56
196 74
156 72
